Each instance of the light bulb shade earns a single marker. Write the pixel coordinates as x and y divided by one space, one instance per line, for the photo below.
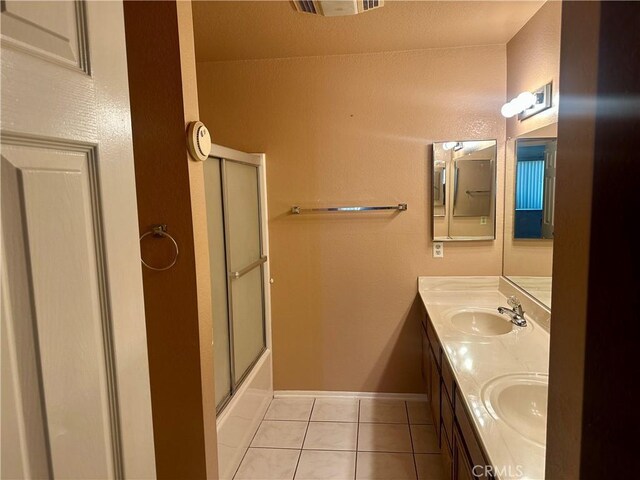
508 110
448 145
528 104
525 100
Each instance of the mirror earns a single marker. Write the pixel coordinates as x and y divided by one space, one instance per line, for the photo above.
535 178
529 211
464 190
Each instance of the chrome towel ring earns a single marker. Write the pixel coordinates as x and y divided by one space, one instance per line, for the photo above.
160 231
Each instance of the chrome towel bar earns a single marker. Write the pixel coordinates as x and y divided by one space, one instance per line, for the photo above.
296 210
478 192
248 268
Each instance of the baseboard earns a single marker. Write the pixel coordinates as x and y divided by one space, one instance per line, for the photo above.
378 395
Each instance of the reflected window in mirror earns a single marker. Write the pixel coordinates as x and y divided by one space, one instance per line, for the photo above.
439 188
464 190
530 189
534 188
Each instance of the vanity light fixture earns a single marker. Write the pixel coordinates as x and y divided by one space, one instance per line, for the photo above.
528 104
453 145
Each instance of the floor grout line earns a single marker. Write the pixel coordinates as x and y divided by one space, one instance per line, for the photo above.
357 450
267 410
304 439
413 448
338 451
283 420
332 421
342 421
252 439
355 470
277 448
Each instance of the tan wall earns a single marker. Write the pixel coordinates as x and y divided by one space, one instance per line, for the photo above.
533 59
356 129
170 190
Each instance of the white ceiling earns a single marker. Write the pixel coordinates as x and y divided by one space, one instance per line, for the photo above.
242 30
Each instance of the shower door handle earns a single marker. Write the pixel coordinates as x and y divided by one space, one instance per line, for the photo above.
248 268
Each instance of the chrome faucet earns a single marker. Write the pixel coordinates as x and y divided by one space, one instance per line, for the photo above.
516 313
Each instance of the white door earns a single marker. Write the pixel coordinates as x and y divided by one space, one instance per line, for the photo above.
548 220
75 377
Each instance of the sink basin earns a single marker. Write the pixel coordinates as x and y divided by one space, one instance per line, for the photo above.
480 321
520 401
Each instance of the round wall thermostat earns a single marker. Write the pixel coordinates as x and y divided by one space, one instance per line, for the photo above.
199 141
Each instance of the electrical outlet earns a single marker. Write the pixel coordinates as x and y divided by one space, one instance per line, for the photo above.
438 249
483 220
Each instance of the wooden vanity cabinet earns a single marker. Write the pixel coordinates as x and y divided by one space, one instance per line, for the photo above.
447 419
434 397
426 359
431 367
471 449
461 468
447 454
460 448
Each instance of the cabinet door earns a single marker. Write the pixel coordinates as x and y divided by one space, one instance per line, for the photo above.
461 465
447 456
434 399
473 452
426 362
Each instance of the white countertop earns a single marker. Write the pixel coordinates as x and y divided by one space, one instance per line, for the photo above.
476 360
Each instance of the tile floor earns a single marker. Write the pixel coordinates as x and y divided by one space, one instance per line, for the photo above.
343 439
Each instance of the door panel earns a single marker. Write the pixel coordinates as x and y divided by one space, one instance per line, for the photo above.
237 263
248 320
244 246
549 189
24 447
244 214
40 90
52 30
218 269
72 307
67 320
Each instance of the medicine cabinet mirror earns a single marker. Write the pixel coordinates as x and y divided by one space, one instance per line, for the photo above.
464 190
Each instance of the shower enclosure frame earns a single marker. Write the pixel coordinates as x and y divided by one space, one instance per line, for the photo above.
258 161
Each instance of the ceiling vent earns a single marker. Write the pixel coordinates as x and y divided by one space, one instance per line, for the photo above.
336 8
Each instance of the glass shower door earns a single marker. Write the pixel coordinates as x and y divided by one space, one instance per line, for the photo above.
218 272
245 260
232 192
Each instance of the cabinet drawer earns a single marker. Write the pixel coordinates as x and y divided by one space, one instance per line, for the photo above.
434 400
473 446
462 469
433 340
447 377
425 370
446 412
446 453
